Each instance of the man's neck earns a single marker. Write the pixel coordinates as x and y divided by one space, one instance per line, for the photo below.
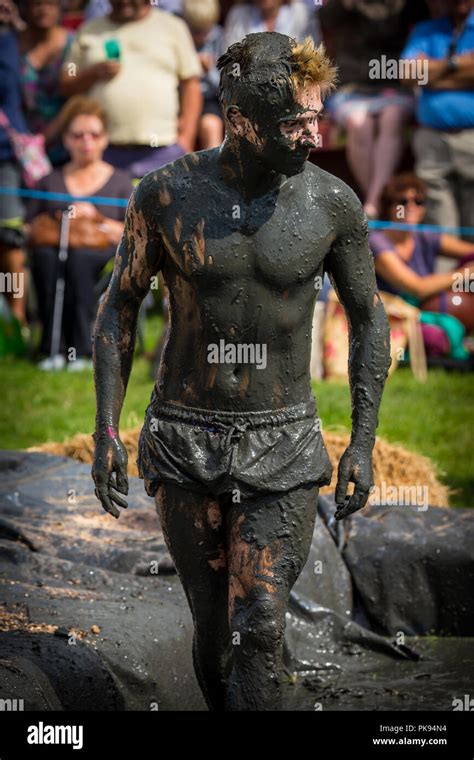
243 172
144 11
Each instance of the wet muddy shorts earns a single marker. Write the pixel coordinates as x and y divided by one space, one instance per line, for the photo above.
219 452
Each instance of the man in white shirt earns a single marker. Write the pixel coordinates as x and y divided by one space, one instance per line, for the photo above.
141 64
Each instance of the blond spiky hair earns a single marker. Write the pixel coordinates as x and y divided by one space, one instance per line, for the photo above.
310 65
260 72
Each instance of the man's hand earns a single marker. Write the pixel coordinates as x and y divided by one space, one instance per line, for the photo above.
207 61
355 466
85 210
350 265
84 79
105 70
110 457
113 229
186 141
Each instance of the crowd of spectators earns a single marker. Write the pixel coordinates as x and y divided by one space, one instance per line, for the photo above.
116 88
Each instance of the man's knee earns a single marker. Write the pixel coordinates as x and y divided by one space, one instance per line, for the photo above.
257 625
432 156
358 121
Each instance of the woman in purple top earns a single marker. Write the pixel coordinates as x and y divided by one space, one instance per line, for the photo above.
405 261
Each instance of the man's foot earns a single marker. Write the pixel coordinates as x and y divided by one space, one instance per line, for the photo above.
79 365
52 363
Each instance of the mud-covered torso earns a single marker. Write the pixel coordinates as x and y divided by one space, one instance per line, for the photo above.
242 279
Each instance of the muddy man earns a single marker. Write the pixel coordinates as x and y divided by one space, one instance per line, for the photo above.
231 447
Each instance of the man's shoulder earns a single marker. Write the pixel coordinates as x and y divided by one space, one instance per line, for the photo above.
327 184
196 163
156 19
177 175
339 200
165 21
425 29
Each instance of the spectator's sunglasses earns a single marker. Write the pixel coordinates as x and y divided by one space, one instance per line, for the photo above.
90 132
405 201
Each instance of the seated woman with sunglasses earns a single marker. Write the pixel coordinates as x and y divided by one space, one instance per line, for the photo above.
405 260
84 135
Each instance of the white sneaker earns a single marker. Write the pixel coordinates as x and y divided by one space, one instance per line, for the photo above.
52 363
79 365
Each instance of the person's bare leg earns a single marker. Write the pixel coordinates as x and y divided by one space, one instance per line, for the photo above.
360 145
269 539
193 529
211 131
387 149
13 260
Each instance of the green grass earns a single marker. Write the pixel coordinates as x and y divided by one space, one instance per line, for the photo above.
435 419
52 406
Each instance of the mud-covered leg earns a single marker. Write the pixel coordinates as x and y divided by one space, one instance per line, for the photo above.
269 539
194 533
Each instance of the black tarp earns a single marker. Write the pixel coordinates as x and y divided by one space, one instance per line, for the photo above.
380 618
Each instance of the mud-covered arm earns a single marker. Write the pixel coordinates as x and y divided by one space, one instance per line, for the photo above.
138 258
350 267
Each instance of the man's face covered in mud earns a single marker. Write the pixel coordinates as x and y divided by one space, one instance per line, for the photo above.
281 134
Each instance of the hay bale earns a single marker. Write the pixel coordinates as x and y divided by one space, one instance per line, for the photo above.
393 465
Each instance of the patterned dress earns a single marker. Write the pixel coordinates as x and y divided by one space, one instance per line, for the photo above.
42 100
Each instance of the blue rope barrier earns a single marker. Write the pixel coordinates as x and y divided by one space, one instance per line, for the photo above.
122 202
47 196
381 225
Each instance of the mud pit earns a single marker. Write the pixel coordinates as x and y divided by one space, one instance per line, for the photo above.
93 616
